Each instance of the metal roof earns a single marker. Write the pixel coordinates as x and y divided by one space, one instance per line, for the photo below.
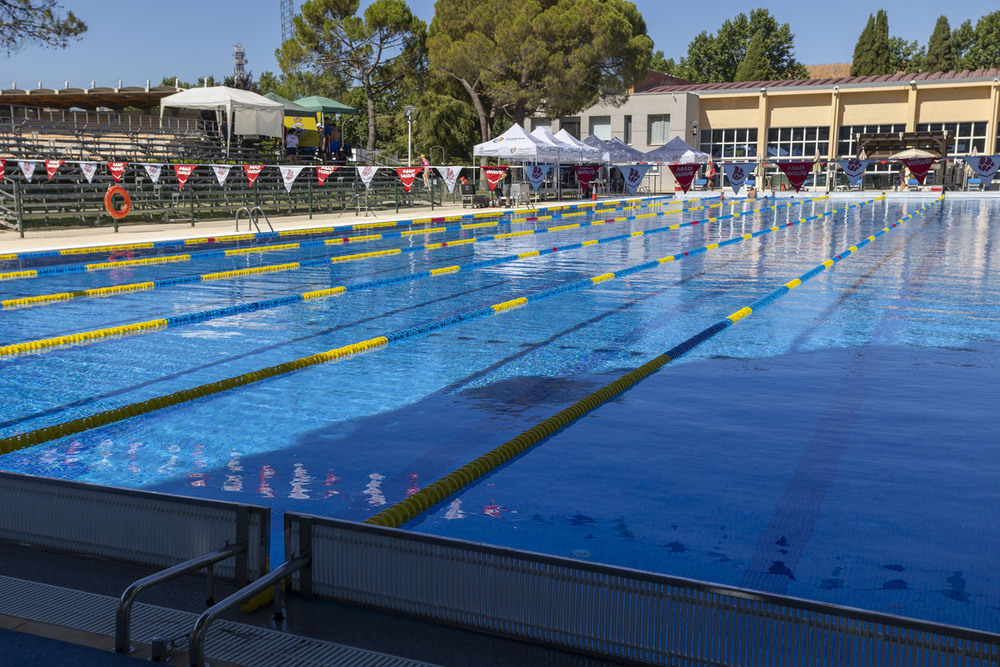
88 98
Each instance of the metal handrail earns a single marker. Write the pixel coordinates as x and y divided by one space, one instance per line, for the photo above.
196 657
123 614
254 214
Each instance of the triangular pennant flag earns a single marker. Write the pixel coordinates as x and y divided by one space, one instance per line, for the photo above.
367 173
585 173
494 175
919 166
324 171
153 171
854 169
117 169
253 171
88 169
407 175
27 168
985 167
797 172
51 167
450 176
737 173
536 174
2 162
633 175
684 173
221 172
182 172
289 174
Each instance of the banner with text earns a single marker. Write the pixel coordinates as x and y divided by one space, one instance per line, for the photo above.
117 169
323 171
51 167
182 172
27 168
797 172
633 175
2 165
221 172
367 173
585 173
153 171
494 175
684 173
737 173
253 171
407 175
89 169
854 169
450 176
985 167
289 174
919 166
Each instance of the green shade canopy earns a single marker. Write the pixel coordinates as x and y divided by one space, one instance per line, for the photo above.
289 105
324 104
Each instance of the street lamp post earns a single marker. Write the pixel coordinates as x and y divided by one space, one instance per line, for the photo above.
408 112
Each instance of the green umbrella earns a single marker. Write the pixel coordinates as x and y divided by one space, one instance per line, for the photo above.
324 104
289 105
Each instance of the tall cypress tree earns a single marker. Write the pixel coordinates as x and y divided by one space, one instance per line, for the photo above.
940 56
881 54
862 63
755 66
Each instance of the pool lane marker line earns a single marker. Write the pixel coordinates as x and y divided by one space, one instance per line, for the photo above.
253 306
47 433
42 299
281 247
611 205
439 491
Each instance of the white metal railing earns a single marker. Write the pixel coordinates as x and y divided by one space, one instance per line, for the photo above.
607 611
141 527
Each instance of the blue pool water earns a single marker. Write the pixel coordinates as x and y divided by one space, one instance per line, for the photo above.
838 445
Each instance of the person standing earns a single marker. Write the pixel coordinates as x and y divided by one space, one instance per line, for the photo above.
292 146
427 170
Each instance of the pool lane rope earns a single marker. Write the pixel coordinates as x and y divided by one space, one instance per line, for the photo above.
45 434
439 491
254 306
314 231
283 247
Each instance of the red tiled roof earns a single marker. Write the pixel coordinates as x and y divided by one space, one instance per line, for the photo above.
841 81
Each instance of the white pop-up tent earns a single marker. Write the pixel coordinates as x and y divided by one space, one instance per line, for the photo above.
515 144
248 113
565 151
677 150
587 152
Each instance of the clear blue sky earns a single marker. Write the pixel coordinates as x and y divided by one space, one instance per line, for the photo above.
133 40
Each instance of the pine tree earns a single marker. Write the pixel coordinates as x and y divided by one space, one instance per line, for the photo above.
754 66
881 53
862 63
940 56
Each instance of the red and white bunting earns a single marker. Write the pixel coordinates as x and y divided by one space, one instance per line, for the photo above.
117 169
182 172
854 169
585 173
737 173
221 172
52 166
2 163
684 173
324 171
27 168
289 174
536 173
494 175
919 166
367 173
88 169
153 171
985 167
633 175
253 171
450 176
407 175
797 172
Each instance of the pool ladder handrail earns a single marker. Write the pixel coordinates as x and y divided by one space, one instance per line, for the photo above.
253 215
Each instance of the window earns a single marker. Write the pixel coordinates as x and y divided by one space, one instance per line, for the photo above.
600 126
735 143
541 122
571 125
803 142
658 130
846 139
964 136
628 130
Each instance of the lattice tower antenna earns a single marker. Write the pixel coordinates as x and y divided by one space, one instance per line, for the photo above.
239 60
287 12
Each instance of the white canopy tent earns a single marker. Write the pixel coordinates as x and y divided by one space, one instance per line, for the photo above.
515 144
625 152
604 153
677 150
248 113
586 151
564 150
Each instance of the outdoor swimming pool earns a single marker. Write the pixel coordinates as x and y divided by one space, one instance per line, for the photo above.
837 445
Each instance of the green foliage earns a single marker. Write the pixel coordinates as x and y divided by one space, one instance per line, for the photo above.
664 65
861 64
904 56
715 58
984 52
41 22
872 52
754 66
961 41
940 57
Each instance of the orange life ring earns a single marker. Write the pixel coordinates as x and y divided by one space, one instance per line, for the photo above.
117 213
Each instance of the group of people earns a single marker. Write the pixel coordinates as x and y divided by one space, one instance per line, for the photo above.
331 149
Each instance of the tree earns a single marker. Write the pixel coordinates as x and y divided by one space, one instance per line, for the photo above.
906 56
872 52
984 53
961 41
24 22
521 57
861 65
664 65
715 58
754 66
940 57
376 50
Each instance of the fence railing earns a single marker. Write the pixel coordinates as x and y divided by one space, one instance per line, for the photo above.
607 611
